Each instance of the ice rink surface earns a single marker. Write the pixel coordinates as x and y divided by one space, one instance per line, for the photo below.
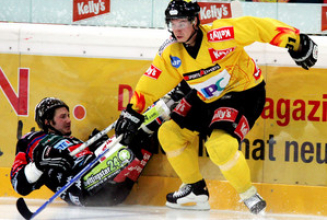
60 211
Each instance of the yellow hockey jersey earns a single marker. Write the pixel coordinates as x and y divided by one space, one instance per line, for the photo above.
221 65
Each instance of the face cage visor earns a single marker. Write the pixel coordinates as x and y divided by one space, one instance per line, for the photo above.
183 23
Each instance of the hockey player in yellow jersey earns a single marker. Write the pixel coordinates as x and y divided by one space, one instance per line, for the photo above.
225 96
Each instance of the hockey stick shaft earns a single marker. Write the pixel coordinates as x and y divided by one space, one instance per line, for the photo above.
160 108
93 139
21 204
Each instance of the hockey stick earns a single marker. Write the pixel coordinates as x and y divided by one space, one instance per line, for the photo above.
159 109
93 139
21 204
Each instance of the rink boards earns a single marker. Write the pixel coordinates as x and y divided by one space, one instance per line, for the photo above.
94 69
152 190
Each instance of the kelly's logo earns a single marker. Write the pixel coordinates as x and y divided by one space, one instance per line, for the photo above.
153 72
221 34
83 9
210 11
224 114
183 108
219 54
242 128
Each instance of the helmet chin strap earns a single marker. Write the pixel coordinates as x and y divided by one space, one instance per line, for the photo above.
192 35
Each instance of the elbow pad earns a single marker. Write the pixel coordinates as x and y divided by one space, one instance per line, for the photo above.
32 173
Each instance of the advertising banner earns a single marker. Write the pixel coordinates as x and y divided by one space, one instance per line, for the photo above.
211 11
83 9
287 141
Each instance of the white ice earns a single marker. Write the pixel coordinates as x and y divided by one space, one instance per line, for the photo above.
60 211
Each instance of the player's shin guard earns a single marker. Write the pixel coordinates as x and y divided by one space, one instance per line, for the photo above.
239 176
190 196
222 149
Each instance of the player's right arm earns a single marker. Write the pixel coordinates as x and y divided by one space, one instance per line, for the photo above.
160 78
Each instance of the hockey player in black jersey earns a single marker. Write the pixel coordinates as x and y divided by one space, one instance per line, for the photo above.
43 157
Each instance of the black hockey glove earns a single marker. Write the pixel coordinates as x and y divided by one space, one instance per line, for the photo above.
128 124
48 157
308 54
97 143
189 107
180 91
173 97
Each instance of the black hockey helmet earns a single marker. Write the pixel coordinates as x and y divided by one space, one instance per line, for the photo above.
181 9
45 110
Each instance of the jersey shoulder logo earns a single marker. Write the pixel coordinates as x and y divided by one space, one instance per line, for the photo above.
175 61
221 34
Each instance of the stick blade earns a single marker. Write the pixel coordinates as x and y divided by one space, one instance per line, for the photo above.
23 209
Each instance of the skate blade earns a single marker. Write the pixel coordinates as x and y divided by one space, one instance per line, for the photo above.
203 206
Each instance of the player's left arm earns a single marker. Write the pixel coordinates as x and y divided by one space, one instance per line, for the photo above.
301 47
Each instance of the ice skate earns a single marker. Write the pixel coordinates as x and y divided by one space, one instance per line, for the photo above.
255 203
190 196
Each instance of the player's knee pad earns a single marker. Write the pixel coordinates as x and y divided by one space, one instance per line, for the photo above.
173 138
221 147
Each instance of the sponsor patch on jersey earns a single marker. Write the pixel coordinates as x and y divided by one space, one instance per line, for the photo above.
219 54
224 114
199 73
213 86
242 128
183 108
221 34
63 144
175 61
153 72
